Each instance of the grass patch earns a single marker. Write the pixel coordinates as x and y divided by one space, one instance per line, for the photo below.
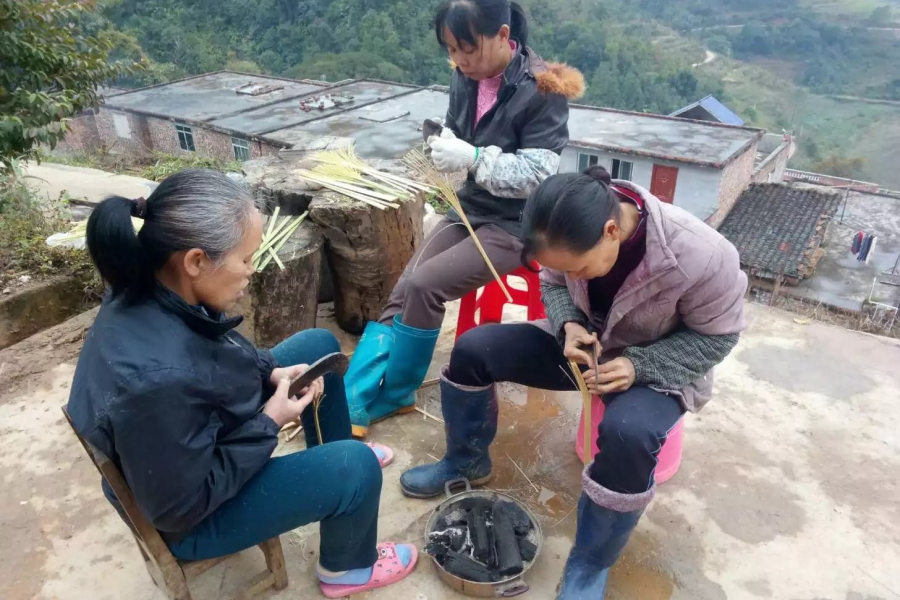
156 166
25 224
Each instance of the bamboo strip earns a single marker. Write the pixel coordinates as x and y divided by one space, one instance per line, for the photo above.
586 401
278 243
268 239
349 174
370 201
273 221
420 164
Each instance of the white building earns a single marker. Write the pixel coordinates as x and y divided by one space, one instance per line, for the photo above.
700 166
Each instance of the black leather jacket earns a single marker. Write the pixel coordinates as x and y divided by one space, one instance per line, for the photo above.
531 113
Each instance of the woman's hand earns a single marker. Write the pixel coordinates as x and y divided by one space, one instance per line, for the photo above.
615 376
283 409
451 155
291 373
577 338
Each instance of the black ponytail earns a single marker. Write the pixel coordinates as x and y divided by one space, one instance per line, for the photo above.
570 211
115 248
191 209
518 24
469 19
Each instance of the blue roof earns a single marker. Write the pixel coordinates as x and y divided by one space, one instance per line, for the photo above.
722 113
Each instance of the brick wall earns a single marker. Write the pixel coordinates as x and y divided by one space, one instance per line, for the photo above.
773 168
735 179
159 135
82 135
136 141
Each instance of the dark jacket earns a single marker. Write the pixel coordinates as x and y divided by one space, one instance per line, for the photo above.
520 138
173 396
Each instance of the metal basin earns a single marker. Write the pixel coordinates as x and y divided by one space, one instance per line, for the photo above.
507 588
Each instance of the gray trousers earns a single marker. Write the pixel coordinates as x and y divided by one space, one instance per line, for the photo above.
446 267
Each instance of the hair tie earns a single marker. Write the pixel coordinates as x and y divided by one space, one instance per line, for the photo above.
139 207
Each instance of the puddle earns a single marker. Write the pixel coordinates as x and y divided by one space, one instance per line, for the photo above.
639 573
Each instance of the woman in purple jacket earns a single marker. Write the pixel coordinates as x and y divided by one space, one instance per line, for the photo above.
656 292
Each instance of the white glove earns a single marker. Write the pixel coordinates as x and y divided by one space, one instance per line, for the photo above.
447 134
451 155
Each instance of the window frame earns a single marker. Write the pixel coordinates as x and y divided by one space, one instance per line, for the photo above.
185 134
616 172
239 143
591 159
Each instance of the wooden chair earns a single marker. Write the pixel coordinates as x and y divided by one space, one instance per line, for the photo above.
169 573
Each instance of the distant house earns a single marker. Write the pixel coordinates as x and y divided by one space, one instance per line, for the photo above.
701 167
709 109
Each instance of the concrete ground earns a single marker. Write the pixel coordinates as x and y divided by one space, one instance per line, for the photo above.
90 184
840 279
788 488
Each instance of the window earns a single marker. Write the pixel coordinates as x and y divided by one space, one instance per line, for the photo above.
241 149
622 169
587 160
185 137
123 128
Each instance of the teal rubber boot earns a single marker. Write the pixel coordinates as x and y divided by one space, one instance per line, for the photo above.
406 368
367 368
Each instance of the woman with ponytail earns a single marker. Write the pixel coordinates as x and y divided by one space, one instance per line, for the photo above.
190 411
505 128
655 293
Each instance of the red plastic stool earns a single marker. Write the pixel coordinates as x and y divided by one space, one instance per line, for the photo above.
667 461
492 300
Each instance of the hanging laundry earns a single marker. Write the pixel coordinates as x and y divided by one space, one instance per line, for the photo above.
856 244
865 249
872 241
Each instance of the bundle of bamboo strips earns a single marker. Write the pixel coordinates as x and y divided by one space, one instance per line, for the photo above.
274 238
420 164
344 172
372 198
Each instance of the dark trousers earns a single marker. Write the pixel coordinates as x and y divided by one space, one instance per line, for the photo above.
446 267
337 484
635 424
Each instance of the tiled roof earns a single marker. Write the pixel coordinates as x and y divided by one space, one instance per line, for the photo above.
778 228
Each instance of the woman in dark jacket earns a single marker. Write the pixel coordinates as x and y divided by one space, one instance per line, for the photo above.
190 411
506 126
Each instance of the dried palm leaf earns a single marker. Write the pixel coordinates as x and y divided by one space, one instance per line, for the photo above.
586 399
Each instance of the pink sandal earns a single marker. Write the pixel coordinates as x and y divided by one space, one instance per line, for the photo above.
387 570
384 454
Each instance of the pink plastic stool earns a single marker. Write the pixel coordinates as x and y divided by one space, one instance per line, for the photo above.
669 458
492 300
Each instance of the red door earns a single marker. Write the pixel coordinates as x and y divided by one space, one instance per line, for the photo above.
663 183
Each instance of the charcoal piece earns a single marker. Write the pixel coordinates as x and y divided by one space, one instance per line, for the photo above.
455 518
436 549
527 550
478 529
509 558
520 519
470 504
457 544
463 566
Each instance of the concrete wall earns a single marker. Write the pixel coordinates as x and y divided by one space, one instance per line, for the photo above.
149 134
735 179
697 188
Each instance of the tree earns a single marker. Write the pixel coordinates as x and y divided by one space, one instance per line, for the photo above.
840 166
51 71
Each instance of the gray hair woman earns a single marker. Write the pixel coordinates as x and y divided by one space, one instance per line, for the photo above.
190 411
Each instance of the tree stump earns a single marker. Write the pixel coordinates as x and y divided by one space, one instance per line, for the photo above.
367 249
279 303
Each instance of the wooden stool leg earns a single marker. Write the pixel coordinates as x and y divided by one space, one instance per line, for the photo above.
275 561
176 586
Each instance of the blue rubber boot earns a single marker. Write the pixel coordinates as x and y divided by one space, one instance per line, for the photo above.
470 424
600 538
363 378
407 365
